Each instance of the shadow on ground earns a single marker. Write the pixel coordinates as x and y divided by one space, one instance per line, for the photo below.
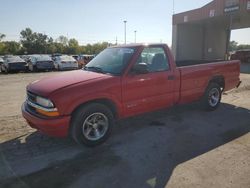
142 152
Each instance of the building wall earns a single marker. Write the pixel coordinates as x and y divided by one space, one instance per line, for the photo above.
188 42
204 33
215 42
199 41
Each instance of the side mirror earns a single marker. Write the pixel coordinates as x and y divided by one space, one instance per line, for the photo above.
141 68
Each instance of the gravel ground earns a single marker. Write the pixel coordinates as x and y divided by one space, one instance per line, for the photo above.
179 147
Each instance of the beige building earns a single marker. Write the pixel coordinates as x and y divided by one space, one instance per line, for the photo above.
204 33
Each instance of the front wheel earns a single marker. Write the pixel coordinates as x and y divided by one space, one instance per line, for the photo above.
212 97
32 68
92 124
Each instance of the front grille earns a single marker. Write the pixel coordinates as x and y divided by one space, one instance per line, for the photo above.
32 98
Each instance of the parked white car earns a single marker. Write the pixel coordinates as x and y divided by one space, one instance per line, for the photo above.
65 62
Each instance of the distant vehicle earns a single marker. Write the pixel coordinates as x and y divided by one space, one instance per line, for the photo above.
40 62
84 60
76 57
24 57
242 55
53 56
56 54
13 64
1 61
65 62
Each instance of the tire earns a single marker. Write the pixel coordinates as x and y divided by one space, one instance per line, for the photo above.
212 97
92 124
59 68
6 70
32 68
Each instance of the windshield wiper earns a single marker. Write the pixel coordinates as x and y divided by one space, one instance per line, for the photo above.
96 69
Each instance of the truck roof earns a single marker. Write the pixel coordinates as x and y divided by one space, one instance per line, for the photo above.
138 45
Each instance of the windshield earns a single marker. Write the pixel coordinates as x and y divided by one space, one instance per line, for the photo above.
66 58
44 58
111 60
14 59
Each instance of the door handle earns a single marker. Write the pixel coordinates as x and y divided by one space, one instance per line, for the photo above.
171 77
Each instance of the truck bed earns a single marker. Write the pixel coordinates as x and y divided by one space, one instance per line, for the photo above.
195 76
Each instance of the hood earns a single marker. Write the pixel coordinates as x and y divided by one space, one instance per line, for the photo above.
48 85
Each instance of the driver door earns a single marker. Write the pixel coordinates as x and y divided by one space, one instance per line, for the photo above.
144 92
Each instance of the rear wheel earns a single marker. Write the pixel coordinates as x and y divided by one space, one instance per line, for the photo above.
6 70
32 68
92 124
212 97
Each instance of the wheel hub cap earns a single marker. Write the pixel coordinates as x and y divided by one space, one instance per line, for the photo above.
95 126
214 97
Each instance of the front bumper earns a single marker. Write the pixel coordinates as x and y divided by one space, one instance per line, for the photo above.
56 127
45 66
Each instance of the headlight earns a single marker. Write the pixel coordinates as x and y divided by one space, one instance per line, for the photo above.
44 102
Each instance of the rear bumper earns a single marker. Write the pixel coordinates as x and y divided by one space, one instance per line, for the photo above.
16 68
56 127
68 68
45 67
63 66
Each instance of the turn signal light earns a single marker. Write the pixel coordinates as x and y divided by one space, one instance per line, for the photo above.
50 114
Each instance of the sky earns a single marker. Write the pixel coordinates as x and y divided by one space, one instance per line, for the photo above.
91 21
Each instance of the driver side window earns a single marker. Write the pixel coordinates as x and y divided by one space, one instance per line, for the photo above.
155 58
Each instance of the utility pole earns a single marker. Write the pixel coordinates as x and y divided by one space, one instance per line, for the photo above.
125 31
116 40
135 35
173 6
228 36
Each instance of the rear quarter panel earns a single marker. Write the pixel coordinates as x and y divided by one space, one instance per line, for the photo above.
195 78
231 72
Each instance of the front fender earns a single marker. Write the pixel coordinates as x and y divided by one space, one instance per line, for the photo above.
87 99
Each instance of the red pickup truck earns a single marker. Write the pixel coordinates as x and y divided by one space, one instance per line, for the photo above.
120 82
